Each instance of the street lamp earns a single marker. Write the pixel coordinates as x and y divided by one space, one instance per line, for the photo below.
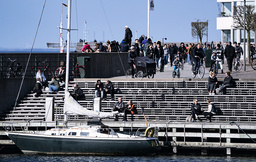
163 40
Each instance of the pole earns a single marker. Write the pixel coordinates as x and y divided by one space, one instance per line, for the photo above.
244 36
61 31
67 57
148 18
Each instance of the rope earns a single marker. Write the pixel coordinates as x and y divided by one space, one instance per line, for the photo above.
107 19
23 76
242 130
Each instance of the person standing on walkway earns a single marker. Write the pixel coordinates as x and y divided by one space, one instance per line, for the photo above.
128 36
229 54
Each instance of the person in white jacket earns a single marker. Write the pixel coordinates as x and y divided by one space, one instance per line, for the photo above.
210 112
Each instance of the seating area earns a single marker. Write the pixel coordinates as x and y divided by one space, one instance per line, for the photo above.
160 100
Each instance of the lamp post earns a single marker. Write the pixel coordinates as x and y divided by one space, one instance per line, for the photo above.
163 40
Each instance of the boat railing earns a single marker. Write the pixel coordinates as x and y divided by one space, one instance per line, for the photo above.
10 127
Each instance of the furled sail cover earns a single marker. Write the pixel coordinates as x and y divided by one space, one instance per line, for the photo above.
71 106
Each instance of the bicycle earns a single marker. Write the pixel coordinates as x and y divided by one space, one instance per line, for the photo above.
176 72
253 61
201 70
12 70
46 70
79 71
238 65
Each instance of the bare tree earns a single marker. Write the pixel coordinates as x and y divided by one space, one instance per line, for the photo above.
199 29
250 21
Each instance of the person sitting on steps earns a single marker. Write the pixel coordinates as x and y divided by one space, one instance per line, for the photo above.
118 106
196 110
99 89
130 109
228 82
109 89
77 93
210 112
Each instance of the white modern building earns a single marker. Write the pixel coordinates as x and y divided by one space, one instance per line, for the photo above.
225 21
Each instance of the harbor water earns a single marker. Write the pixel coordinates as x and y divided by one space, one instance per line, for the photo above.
178 158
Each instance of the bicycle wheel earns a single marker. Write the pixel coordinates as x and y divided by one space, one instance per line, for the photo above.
201 72
216 69
140 74
238 66
192 71
81 72
253 63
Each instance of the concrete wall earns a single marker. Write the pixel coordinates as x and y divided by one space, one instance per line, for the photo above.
102 65
9 89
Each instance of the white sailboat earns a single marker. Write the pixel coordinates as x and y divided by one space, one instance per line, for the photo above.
87 139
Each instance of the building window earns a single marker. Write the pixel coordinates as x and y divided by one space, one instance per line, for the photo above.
226 9
234 35
226 36
252 35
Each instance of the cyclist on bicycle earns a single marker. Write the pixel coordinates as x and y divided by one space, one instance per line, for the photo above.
198 54
213 59
176 70
238 51
219 56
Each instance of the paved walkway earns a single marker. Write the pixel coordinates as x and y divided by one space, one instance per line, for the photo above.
186 74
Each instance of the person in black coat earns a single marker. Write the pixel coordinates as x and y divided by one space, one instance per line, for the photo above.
128 36
124 46
77 93
159 53
132 56
109 89
212 83
198 54
37 90
99 87
229 54
196 110
228 82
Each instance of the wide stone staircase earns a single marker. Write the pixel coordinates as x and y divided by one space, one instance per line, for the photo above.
160 100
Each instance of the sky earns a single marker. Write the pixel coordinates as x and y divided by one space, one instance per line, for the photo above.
106 19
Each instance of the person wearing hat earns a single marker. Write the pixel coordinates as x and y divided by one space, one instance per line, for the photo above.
128 36
132 55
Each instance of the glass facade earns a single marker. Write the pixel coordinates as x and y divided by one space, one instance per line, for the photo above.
226 35
226 9
252 35
234 35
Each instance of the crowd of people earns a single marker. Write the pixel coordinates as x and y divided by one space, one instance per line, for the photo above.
162 54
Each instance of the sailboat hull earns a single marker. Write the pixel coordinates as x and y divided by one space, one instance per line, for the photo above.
34 144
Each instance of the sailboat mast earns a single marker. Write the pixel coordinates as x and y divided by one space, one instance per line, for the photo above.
61 31
67 58
68 44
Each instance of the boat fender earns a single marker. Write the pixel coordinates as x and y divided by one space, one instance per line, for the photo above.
149 132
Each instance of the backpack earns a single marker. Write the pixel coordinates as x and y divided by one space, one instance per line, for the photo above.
216 110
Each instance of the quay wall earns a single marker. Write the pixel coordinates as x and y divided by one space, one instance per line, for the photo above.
97 65
9 89
179 137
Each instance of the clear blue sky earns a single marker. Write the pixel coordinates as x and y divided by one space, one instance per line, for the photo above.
170 19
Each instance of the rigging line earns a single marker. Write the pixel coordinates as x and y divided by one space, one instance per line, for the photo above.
107 20
242 130
76 20
23 76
